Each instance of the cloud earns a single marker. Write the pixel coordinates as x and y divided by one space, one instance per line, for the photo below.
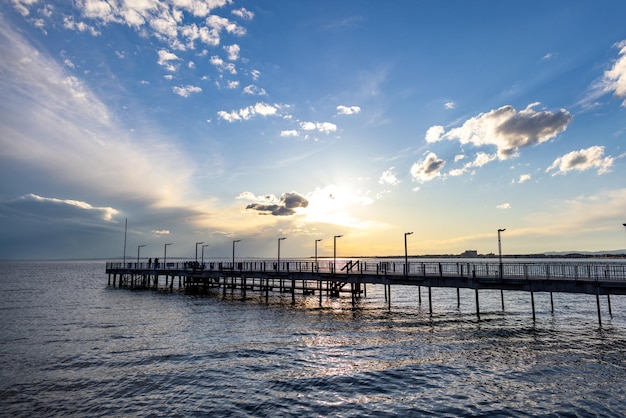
504 206
232 51
84 148
270 205
449 105
480 160
223 66
260 109
582 160
180 23
166 58
348 110
506 129
434 133
254 90
427 169
388 177
615 78
289 133
59 209
523 178
325 127
186 91
243 13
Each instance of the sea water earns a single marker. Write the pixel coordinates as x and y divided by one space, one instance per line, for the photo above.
71 345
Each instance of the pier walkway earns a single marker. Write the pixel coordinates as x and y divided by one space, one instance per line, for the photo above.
351 277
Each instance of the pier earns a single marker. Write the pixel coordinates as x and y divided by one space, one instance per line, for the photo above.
351 277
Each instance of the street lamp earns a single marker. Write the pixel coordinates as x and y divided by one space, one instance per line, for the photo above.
278 265
500 250
234 241
138 248
165 254
198 243
406 255
316 266
202 262
335 251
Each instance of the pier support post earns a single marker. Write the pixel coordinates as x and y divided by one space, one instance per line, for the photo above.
430 301
293 291
319 284
477 304
551 303
608 299
419 294
598 305
532 302
458 298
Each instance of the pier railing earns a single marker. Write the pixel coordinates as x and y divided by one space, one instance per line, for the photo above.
575 270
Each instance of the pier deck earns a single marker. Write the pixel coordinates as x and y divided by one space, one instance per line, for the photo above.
351 277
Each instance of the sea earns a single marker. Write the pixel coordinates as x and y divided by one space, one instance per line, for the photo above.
70 345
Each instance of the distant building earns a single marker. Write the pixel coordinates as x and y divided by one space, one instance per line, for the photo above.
470 254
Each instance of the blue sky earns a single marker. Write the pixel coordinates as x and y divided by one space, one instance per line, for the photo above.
211 121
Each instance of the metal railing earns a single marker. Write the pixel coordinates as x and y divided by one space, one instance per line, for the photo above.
589 270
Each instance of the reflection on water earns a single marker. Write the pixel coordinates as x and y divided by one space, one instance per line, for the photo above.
71 346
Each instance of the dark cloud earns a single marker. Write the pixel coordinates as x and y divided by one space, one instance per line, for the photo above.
285 207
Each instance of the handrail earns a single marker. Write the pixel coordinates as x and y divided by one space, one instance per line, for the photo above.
549 270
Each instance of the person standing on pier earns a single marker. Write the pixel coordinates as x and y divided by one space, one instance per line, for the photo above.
156 263
149 262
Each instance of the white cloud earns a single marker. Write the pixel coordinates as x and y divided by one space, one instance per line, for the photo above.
186 91
427 169
480 160
449 105
506 129
165 58
232 51
243 13
289 133
504 206
69 23
389 177
348 110
166 20
223 66
581 160
254 90
615 78
261 109
434 133
523 178
325 127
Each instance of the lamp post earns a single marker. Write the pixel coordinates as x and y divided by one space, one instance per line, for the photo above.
234 241
138 248
202 262
406 255
198 243
335 251
165 254
316 266
278 263
500 250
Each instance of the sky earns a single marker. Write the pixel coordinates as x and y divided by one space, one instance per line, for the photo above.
210 121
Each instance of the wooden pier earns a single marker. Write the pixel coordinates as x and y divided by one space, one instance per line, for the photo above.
327 279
